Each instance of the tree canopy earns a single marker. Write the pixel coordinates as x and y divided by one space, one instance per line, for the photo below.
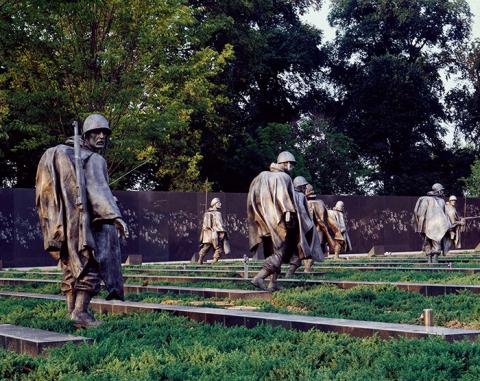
199 90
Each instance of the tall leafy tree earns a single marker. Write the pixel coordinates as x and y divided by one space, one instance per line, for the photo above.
277 62
388 88
464 99
139 63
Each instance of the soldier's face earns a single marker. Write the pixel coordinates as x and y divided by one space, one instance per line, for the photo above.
453 202
218 205
97 139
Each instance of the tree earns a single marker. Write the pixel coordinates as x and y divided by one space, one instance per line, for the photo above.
331 158
276 67
473 181
139 63
464 100
388 89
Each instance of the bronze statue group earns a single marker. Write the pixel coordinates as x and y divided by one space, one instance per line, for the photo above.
81 221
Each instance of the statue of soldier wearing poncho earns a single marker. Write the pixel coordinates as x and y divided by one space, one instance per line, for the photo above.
325 227
80 218
430 219
303 212
274 221
338 226
213 235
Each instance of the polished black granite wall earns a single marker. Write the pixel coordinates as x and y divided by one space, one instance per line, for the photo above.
165 225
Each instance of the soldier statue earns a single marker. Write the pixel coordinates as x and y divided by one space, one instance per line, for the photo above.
430 219
80 219
338 221
456 221
273 220
213 233
319 214
299 184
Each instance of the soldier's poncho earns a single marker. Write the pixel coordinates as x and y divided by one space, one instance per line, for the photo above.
454 218
270 197
61 220
310 240
430 218
212 225
338 220
319 215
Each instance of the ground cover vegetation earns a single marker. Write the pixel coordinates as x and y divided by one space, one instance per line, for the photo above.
157 346
196 90
373 303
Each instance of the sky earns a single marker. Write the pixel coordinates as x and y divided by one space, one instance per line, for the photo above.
319 19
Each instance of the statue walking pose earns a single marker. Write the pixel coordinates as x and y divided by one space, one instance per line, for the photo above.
213 233
300 184
273 220
338 221
430 219
456 221
319 214
80 218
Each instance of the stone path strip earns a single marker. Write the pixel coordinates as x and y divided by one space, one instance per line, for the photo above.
205 292
250 319
425 289
31 341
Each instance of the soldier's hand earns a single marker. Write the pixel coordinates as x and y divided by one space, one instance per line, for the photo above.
121 227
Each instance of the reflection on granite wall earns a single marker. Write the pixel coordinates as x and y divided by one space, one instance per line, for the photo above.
165 225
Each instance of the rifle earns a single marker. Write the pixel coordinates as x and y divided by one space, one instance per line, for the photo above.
471 218
81 196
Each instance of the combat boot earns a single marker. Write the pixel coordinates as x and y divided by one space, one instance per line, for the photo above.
259 280
70 297
291 270
308 265
200 258
435 258
273 286
80 314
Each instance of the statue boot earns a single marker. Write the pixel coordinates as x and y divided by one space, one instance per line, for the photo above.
70 296
291 270
308 263
273 286
337 252
80 314
201 257
435 258
259 280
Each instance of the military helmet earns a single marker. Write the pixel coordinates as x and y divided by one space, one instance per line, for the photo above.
285 157
214 201
437 187
299 181
96 122
452 198
339 206
309 192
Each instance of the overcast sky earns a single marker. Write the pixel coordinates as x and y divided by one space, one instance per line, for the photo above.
319 19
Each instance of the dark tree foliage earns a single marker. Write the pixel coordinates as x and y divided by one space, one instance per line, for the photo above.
386 69
277 57
464 100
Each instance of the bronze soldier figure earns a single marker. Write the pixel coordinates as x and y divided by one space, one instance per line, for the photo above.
430 219
273 220
299 184
456 221
80 218
213 233
319 214
337 220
